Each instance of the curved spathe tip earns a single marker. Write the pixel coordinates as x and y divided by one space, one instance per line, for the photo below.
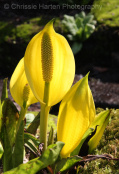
50 24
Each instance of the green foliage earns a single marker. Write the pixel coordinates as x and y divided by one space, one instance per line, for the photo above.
24 31
52 122
101 121
10 31
49 157
67 163
78 28
107 12
51 136
31 142
29 118
10 119
7 155
4 90
1 116
33 126
1 150
19 146
6 29
13 139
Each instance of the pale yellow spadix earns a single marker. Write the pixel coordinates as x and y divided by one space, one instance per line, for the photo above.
76 113
19 87
49 59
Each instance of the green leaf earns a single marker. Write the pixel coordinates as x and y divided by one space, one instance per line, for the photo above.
88 19
32 128
81 15
29 118
4 90
31 146
67 163
1 117
1 150
28 136
80 34
76 47
7 156
79 22
89 29
48 158
69 23
10 118
79 28
19 146
31 142
52 122
77 150
51 136
101 120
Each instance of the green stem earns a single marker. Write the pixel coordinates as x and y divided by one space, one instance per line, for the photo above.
44 116
19 142
46 93
21 117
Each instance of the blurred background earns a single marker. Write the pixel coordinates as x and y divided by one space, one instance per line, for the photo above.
91 28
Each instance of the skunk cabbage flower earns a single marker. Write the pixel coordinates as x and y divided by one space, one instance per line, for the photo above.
19 87
49 59
76 113
101 120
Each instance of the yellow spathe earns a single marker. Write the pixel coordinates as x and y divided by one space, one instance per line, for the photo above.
49 58
76 113
19 88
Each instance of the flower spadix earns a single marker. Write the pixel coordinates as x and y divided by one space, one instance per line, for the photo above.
19 87
76 113
49 59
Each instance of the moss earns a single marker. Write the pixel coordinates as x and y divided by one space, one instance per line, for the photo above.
14 37
24 31
109 144
21 32
108 13
12 31
6 30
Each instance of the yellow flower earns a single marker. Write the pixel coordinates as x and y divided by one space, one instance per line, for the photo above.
76 113
19 87
49 59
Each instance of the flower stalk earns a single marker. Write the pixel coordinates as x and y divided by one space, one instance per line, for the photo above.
44 116
21 116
